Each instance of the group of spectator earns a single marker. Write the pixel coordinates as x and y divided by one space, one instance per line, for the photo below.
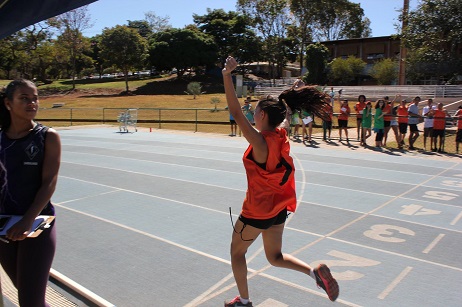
382 117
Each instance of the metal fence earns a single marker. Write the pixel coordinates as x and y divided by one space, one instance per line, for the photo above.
149 117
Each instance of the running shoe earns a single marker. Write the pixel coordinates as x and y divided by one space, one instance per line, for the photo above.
325 280
236 302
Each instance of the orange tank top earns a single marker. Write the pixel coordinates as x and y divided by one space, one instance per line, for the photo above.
270 190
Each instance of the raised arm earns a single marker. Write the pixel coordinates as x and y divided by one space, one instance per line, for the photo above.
250 133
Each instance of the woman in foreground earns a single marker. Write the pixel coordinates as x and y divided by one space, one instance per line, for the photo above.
271 184
30 156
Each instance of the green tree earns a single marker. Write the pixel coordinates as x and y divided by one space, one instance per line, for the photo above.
347 71
385 71
232 34
272 18
194 88
71 25
142 27
317 56
182 49
124 48
157 23
332 19
433 37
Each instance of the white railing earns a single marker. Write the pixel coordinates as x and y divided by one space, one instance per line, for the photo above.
373 91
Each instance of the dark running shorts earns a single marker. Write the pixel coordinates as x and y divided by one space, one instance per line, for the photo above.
438 132
459 135
265 224
342 123
428 132
413 128
232 121
386 123
403 128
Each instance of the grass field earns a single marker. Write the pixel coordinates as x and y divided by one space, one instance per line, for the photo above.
96 99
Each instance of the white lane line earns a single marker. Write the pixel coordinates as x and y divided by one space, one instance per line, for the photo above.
458 217
433 244
394 283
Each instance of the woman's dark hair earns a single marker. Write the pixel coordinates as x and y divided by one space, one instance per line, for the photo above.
276 110
308 98
377 104
359 98
8 92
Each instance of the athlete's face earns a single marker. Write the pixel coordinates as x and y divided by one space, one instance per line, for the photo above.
24 104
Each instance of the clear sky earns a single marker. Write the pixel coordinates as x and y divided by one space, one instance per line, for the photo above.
383 14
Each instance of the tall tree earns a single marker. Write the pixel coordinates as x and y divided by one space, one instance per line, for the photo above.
182 49
232 34
433 37
71 25
317 56
332 19
157 23
272 18
142 26
124 48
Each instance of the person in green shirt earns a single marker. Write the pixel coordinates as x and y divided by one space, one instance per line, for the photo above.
379 125
366 123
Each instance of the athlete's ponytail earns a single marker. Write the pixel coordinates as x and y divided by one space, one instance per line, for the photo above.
307 98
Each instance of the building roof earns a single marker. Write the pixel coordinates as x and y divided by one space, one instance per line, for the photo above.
18 14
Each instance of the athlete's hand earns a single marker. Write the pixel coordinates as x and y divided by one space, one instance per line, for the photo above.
230 65
19 231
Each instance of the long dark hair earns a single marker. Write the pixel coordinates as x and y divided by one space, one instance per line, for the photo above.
308 98
8 92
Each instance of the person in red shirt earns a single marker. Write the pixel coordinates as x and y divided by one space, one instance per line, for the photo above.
402 122
271 183
343 118
458 115
439 127
360 105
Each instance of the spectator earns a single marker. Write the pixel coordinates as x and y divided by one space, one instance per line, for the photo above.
387 117
307 120
402 122
343 118
379 122
248 110
394 120
366 123
360 105
233 125
295 122
413 120
439 127
327 122
428 122
458 115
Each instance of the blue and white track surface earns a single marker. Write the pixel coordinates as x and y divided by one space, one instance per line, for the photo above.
143 220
